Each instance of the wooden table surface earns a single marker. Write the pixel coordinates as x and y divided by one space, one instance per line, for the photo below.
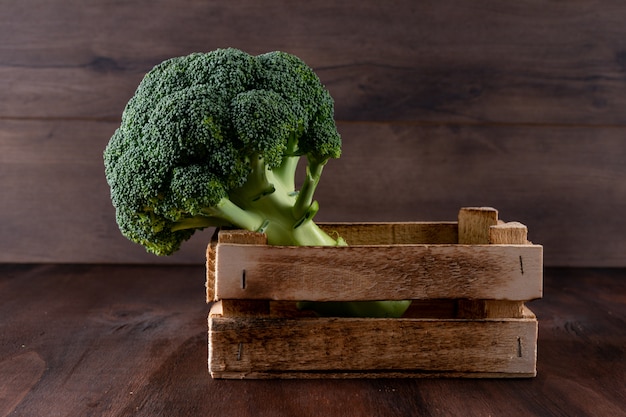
96 340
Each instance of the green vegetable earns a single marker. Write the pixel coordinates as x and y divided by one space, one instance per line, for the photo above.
214 139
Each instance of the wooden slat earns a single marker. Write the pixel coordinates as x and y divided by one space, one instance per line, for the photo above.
394 232
370 233
244 237
52 171
228 236
480 309
509 272
210 267
242 308
239 346
312 375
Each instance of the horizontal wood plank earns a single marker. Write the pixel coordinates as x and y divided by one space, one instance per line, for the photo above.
505 272
389 233
52 172
447 61
333 345
366 233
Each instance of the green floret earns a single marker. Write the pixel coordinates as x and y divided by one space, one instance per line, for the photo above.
214 139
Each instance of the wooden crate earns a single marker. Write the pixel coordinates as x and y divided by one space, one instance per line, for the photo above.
469 280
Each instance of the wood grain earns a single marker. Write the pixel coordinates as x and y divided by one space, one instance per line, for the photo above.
480 225
243 345
512 233
564 183
390 233
55 200
121 341
354 272
516 106
447 61
475 224
289 347
19 374
414 173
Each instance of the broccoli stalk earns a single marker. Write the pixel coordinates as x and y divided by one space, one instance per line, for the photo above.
214 139
268 203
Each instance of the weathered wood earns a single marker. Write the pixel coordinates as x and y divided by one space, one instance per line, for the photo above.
19 374
250 339
391 233
506 233
370 345
474 224
512 272
226 236
243 237
210 267
245 308
512 233
480 309
479 226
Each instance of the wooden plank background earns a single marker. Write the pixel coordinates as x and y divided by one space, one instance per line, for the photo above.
515 105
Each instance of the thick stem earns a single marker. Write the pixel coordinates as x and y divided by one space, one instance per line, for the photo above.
305 196
308 233
234 215
285 174
282 227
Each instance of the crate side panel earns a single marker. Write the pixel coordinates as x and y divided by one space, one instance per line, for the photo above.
367 375
210 268
389 233
245 345
506 272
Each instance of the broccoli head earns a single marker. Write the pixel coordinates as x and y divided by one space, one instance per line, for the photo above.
214 139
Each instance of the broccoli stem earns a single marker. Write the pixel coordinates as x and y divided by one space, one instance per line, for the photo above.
232 214
284 227
305 196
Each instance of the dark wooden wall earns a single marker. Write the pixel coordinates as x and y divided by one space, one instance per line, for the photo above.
441 104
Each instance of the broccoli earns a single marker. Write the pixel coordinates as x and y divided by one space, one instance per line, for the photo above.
214 139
